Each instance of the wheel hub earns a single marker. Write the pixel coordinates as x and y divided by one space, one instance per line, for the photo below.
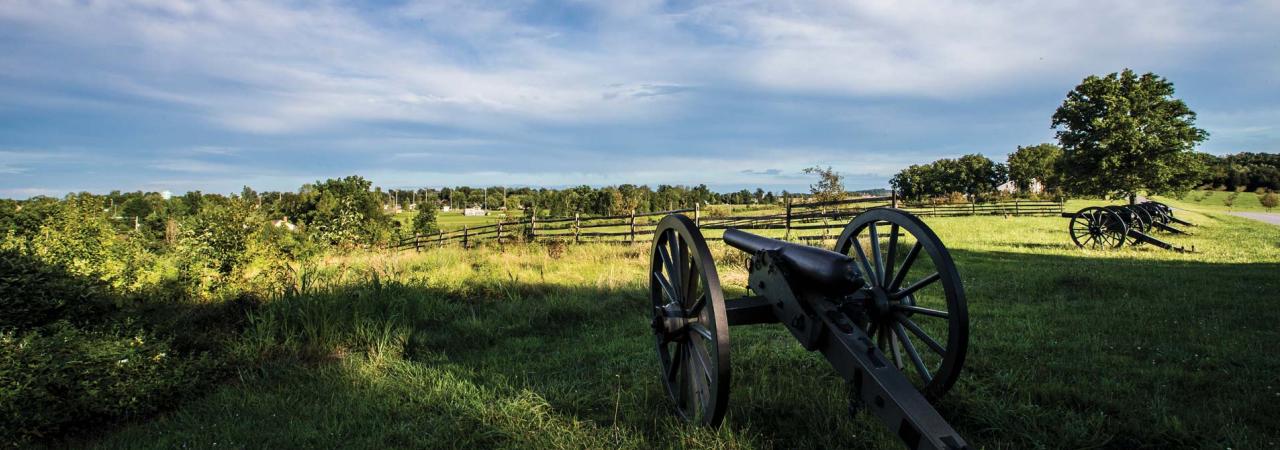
670 321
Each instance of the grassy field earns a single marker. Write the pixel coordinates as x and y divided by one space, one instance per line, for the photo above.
548 347
1212 201
454 220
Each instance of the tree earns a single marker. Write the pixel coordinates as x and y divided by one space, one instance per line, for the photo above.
1125 133
1270 200
1034 163
425 221
977 175
830 185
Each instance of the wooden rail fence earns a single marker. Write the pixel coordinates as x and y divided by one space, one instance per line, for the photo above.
797 221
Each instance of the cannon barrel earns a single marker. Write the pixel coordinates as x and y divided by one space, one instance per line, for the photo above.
833 273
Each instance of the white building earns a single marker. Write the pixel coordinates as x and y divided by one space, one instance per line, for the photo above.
475 212
284 223
1009 187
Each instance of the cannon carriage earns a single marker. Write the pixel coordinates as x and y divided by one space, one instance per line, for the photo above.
1101 227
885 307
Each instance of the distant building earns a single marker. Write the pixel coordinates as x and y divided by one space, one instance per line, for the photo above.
446 208
284 223
475 212
1009 187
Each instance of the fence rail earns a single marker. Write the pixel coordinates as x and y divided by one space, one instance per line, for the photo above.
799 217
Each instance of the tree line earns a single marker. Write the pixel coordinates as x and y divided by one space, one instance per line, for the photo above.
1118 135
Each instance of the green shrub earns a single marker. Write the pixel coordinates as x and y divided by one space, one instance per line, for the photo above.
33 294
63 378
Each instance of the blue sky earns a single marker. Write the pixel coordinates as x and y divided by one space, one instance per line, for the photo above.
212 95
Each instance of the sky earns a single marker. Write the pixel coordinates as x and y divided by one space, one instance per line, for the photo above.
181 95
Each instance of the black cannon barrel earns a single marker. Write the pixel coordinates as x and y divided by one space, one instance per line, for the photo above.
833 273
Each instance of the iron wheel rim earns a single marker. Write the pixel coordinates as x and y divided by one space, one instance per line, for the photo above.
901 318
703 341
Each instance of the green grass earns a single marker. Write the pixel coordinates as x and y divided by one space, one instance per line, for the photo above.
454 220
1212 201
548 347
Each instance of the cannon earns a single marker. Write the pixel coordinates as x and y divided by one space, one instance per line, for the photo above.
1114 226
886 309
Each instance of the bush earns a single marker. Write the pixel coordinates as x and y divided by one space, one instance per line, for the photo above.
63 378
34 294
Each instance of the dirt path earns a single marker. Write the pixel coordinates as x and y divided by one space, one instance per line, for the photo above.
1271 218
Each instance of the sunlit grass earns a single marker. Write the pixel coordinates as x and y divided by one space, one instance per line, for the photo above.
547 346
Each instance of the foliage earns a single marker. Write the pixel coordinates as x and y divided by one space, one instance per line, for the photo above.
34 294
971 175
1123 133
830 185
1034 163
64 378
425 221
345 212
1251 171
1270 200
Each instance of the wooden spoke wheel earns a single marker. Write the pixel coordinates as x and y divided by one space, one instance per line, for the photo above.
1143 215
690 326
1165 212
1131 222
913 303
1095 227
1157 214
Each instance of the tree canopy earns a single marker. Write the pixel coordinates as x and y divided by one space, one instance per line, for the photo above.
830 185
1034 163
1123 133
973 175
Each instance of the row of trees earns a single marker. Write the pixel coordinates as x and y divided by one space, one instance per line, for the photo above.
1243 171
351 211
1118 135
975 176
606 200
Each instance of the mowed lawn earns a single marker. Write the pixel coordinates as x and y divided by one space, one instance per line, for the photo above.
549 347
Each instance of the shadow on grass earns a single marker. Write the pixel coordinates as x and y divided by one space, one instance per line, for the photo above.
76 357
1065 352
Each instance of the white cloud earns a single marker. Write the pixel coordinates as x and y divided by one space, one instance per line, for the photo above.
505 87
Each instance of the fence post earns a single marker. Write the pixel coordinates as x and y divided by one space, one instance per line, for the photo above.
416 246
533 222
893 202
697 207
577 229
1016 211
633 226
787 223
499 237
465 235
973 208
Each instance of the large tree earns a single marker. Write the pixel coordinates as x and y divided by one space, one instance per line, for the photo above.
1124 133
1034 163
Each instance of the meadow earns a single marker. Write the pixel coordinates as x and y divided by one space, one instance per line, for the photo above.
1205 200
547 346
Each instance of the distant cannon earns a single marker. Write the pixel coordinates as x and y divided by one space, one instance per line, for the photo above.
1114 226
899 345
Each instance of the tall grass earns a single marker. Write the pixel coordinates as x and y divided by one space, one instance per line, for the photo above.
535 347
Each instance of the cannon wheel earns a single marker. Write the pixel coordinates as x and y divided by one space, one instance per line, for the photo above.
894 314
1095 227
1158 213
1131 222
690 326
1166 213
1143 215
